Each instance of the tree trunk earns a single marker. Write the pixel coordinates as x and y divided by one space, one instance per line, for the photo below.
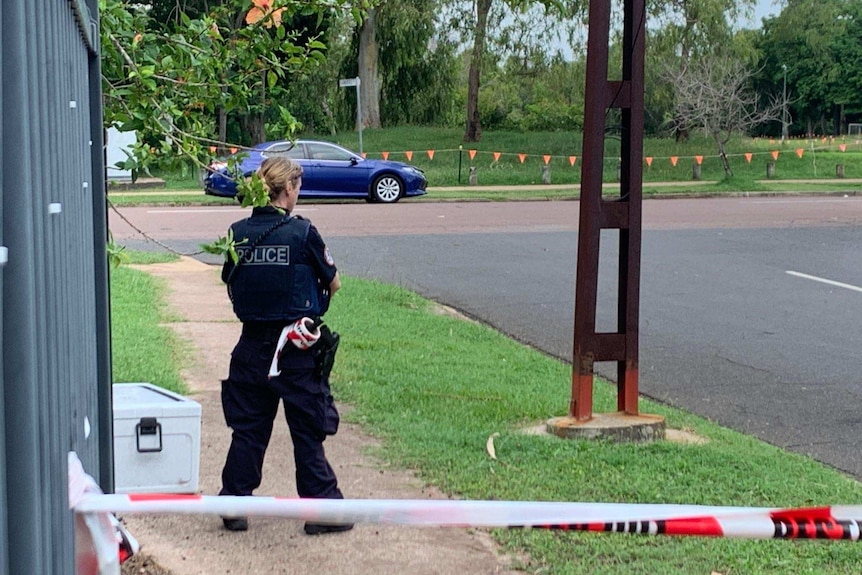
839 130
369 78
473 133
222 129
722 153
253 125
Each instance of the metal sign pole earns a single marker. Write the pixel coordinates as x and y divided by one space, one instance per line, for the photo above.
359 114
347 83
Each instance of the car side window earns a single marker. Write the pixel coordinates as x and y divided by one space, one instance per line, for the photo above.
287 150
324 152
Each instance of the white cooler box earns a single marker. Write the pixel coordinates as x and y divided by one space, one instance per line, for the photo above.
157 440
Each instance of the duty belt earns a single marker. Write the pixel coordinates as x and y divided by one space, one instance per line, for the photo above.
263 331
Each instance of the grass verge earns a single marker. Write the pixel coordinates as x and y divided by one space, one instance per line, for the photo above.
493 193
143 349
437 391
434 388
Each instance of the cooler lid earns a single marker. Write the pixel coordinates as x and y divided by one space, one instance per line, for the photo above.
131 399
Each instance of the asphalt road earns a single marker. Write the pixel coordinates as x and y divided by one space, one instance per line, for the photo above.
738 322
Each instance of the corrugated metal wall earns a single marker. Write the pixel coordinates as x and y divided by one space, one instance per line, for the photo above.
55 370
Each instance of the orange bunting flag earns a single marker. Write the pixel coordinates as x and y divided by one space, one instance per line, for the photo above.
771 141
430 154
799 152
698 159
364 154
385 155
842 147
472 154
748 156
496 156
572 160
824 140
547 159
233 150
522 157
649 161
409 155
775 154
674 160
212 149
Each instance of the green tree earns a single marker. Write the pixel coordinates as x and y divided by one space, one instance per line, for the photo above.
805 37
484 23
398 49
681 31
715 93
419 67
848 53
167 80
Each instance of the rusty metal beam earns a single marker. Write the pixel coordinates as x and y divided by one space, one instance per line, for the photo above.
622 213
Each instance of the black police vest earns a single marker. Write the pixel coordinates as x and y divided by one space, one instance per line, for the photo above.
272 282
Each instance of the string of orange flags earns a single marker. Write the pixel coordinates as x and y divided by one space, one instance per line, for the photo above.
572 159
650 160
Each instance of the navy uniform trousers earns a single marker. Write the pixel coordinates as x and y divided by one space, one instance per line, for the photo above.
250 402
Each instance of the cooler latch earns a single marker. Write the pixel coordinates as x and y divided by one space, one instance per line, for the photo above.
149 432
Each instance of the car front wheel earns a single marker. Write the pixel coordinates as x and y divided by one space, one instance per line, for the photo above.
387 189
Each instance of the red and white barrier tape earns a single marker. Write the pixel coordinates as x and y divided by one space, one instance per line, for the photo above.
835 522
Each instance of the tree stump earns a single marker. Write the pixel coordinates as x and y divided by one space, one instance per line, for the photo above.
695 171
472 179
770 169
839 170
546 174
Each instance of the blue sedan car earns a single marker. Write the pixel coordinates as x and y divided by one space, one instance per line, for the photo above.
329 171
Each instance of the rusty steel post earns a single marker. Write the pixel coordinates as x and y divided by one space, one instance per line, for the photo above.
597 213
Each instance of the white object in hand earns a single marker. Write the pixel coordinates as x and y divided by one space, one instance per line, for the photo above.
303 333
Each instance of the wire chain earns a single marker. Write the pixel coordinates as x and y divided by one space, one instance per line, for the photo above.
147 237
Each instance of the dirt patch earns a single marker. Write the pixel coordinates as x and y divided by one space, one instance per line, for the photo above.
685 437
143 564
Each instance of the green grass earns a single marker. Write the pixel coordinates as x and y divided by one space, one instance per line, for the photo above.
164 197
500 194
818 162
437 391
450 165
433 388
143 348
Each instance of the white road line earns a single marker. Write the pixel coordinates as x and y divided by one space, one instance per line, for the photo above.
825 281
835 201
216 211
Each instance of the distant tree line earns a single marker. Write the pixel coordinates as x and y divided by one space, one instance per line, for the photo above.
188 73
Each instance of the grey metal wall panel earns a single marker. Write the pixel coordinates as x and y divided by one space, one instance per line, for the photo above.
104 422
55 364
4 555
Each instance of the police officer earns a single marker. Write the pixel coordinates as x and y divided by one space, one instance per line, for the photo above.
284 273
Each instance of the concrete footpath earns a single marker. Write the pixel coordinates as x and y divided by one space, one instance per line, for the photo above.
199 545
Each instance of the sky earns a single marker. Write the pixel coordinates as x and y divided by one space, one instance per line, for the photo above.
764 8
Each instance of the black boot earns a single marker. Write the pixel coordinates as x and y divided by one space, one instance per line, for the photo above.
321 528
235 523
